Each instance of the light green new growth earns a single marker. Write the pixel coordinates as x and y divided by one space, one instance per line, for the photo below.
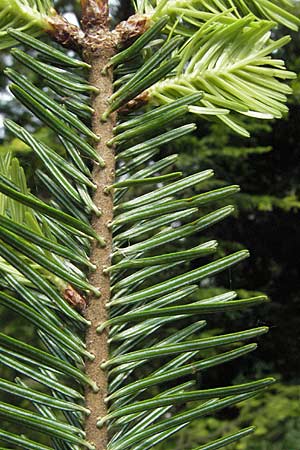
231 64
186 15
23 15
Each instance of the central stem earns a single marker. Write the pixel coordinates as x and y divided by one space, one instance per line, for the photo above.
96 343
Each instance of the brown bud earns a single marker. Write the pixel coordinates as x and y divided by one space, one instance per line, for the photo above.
65 33
94 14
137 102
131 29
75 299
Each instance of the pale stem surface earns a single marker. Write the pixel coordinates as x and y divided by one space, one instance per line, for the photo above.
97 344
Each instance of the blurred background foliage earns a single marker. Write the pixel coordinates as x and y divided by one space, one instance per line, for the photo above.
267 221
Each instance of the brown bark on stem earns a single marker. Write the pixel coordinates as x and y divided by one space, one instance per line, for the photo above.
100 47
98 44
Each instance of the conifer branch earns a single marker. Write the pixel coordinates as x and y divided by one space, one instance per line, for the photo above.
45 242
100 47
